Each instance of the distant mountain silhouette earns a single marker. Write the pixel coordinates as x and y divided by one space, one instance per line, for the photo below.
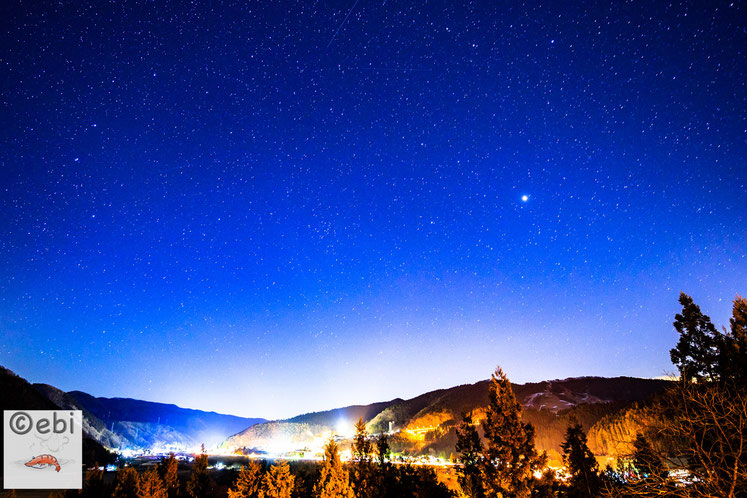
121 422
18 394
427 422
552 395
148 424
366 412
93 426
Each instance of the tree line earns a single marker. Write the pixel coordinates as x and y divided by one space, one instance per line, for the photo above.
371 473
693 441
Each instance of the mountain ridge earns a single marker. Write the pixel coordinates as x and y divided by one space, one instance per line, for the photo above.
423 423
19 394
125 423
428 420
148 423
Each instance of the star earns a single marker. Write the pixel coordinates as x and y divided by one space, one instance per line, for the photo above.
524 198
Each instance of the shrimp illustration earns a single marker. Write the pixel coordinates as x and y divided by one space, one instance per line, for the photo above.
43 461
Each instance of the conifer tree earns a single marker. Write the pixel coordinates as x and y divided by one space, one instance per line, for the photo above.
383 451
510 457
126 483
580 463
248 483
333 479
278 482
733 364
199 482
469 446
151 485
384 477
94 485
646 461
167 470
696 353
361 448
702 424
362 473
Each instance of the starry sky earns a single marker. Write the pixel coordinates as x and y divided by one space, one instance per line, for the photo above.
267 208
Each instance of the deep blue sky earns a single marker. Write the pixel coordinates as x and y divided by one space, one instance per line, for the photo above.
265 208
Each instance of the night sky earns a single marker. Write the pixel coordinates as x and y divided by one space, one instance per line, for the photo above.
268 208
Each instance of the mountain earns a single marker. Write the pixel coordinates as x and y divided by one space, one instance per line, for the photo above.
613 435
19 394
608 409
122 423
147 424
92 425
426 423
331 417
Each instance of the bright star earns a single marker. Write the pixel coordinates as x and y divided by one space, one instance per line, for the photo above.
524 198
